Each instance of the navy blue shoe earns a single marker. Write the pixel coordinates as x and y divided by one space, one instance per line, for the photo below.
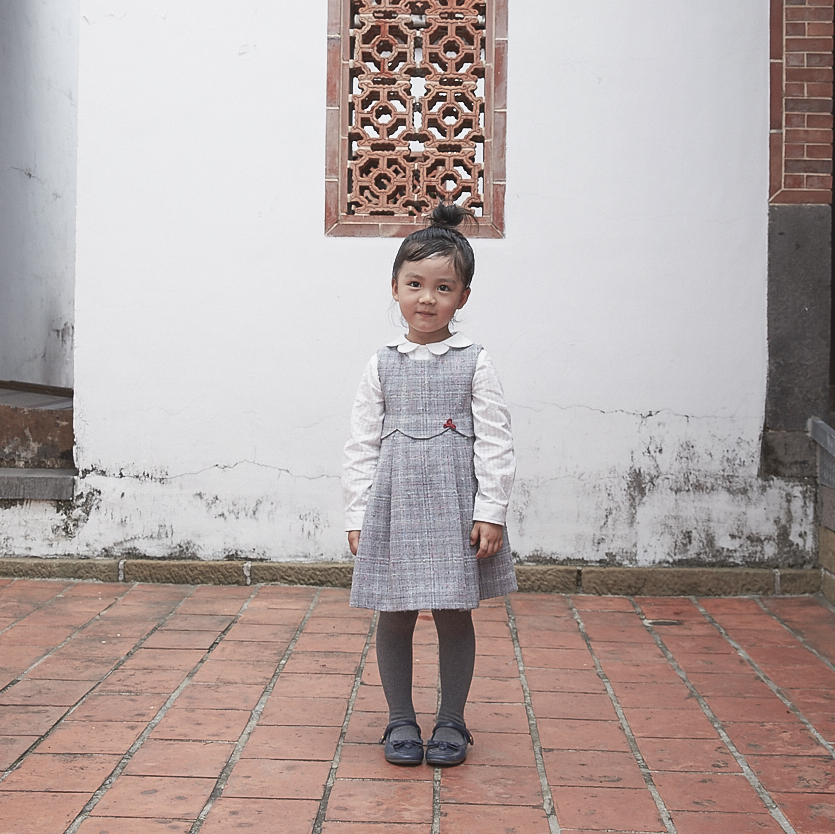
445 753
407 751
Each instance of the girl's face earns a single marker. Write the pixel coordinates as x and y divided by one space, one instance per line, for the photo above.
429 292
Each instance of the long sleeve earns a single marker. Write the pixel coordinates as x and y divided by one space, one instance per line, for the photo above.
495 463
362 450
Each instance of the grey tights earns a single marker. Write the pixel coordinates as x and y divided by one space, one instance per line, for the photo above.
456 650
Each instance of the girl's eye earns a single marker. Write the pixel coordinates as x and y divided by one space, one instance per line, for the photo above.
444 288
413 284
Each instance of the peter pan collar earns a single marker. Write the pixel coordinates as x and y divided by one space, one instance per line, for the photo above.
456 340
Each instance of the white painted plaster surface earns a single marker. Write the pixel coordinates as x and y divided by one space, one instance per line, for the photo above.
220 335
38 74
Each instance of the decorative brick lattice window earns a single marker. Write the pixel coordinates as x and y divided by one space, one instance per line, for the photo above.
416 113
801 101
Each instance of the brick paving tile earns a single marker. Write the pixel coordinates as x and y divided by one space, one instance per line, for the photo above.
149 796
281 774
261 633
573 705
122 825
606 808
366 761
744 683
63 668
370 800
496 690
470 819
702 822
180 640
624 672
556 734
197 622
541 639
143 681
163 659
375 828
655 695
628 652
25 635
277 779
12 747
809 813
282 816
772 709
687 754
323 642
92 737
564 680
112 707
325 686
491 785
311 712
46 693
24 721
220 696
577 768
557 658
495 666
798 774
729 792
160 757
497 718
251 652
202 724
41 812
773 739
689 722
289 742
230 671
74 772
337 663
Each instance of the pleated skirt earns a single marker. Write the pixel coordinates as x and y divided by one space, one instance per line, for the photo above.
414 551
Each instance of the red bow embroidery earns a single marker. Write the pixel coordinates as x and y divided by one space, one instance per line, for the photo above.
449 424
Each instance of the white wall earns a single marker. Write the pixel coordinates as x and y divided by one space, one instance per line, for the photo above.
38 76
220 335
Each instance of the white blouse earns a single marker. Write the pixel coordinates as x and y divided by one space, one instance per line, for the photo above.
495 464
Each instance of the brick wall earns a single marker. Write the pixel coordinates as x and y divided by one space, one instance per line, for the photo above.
801 101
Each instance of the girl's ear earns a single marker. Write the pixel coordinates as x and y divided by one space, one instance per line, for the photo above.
394 289
464 298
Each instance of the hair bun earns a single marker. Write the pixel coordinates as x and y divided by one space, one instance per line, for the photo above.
449 215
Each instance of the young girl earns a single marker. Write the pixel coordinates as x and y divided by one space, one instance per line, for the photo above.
427 476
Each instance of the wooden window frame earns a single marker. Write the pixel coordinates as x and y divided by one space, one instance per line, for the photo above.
338 222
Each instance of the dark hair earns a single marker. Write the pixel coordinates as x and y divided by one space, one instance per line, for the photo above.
440 238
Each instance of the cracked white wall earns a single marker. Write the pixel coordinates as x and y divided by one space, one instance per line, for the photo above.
221 335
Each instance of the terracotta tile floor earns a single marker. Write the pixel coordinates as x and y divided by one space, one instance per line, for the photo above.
151 708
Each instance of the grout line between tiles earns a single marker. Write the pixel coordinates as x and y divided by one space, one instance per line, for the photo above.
630 736
747 771
436 771
547 796
793 708
131 751
349 711
254 717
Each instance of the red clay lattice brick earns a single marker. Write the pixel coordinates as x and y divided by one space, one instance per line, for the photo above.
801 101
416 113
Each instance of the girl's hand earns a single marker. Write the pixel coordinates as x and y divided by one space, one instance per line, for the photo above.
487 536
353 541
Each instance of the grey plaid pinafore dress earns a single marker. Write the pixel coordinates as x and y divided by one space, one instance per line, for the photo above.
414 551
